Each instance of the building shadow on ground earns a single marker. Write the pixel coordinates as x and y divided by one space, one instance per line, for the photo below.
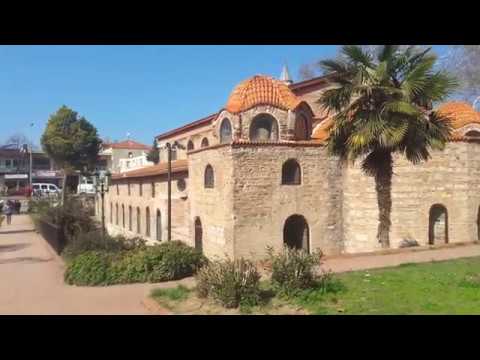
13 247
26 260
17 231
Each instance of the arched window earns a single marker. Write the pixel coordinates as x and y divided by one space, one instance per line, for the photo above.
264 128
174 154
198 233
139 228
473 133
140 188
301 128
204 142
159 226
128 188
209 180
291 173
130 155
438 225
118 190
111 213
225 131
130 218
190 145
181 184
116 214
296 233
153 189
147 221
123 216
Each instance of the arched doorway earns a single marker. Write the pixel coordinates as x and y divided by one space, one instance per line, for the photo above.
438 225
159 226
198 234
296 233
478 224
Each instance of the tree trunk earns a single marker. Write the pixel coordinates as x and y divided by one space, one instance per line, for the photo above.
64 186
383 187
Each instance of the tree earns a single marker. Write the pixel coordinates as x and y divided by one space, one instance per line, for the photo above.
309 71
464 62
154 155
72 142
17 140
382 106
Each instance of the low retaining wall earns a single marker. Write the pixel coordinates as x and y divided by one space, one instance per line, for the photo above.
53 234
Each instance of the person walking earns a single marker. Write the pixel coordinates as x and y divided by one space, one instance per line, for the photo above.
8 210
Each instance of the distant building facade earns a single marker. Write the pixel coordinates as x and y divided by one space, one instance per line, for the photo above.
122 155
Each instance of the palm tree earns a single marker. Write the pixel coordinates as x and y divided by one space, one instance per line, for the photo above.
382 105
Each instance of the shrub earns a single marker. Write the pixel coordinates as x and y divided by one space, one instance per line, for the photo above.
94 241
230 283
178 293
293 270
89 268
168 261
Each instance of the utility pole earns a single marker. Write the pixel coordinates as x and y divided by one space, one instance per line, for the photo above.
101 187
169 201
169 149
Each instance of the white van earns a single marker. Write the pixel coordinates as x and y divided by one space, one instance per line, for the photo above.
86 186
45 189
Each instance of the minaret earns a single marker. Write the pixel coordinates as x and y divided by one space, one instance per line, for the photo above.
285 76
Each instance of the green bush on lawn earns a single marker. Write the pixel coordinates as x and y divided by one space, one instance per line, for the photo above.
168 261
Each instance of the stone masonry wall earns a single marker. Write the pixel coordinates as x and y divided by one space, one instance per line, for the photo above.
450 178
262 204
212 206
180 206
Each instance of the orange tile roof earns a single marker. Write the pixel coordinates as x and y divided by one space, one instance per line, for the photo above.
127 144
261 90
190 126
461 113
322 130
159 169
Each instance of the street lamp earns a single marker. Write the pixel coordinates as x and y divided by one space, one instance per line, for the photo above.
101 187
28 149
170 147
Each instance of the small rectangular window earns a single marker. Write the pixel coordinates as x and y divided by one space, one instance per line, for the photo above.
118 190
140 187
153 189
128 188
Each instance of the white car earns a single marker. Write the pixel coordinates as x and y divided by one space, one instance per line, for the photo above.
45 189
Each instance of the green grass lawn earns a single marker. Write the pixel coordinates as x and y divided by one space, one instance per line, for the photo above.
448 287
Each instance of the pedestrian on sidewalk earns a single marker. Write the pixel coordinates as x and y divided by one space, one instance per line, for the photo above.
8 210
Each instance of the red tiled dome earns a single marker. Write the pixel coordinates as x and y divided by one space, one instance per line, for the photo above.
460 113
261 90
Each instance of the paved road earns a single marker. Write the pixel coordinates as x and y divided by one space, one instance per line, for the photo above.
31 280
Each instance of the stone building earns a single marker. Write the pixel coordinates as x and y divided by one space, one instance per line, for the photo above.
257 174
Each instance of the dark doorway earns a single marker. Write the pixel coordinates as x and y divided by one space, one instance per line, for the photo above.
296 233
478 224
159 226
198 234
438 225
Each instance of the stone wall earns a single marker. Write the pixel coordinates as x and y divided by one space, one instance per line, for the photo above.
262 204
450 178
213 205
180 206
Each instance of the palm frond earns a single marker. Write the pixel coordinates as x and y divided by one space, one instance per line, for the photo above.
356 55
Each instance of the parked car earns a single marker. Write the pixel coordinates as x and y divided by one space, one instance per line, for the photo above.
45 189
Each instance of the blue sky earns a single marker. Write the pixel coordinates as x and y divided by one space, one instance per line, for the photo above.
142 90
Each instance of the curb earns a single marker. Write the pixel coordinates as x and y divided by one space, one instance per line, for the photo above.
153 307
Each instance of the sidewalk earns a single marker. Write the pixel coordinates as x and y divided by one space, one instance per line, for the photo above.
414 255
31 280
